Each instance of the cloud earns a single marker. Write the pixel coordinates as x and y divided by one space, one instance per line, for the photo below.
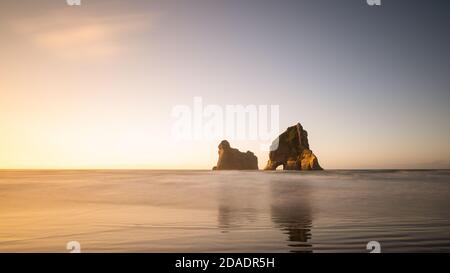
69 35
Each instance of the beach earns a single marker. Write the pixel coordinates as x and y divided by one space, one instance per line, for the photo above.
224 211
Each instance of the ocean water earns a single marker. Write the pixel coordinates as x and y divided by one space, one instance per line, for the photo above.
226 211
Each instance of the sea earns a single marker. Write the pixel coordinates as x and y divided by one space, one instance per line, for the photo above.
224 211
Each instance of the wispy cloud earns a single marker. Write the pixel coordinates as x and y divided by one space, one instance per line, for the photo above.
70 35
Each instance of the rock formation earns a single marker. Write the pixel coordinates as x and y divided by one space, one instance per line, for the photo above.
291 149
233 159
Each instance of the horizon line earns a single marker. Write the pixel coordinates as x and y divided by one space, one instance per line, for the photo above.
281 170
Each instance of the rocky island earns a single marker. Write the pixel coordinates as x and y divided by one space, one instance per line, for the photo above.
291 150
233 159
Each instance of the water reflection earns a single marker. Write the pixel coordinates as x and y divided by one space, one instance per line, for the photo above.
238 206
291 211
185 211
285 204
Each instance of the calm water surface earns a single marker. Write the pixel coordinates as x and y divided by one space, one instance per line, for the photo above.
228 211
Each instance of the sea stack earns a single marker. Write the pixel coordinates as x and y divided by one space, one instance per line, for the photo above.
291 149
233 159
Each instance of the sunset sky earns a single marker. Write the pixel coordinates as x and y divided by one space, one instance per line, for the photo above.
94 86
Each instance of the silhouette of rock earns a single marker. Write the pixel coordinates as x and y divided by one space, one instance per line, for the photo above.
233 159
291 149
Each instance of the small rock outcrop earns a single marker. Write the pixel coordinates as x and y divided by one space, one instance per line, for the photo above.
233 159
291 150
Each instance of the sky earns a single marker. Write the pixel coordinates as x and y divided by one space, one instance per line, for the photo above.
94 86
